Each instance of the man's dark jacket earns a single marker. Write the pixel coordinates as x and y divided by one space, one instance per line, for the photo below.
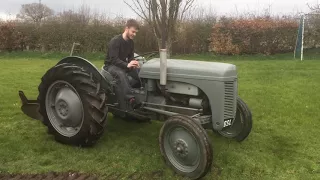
120 52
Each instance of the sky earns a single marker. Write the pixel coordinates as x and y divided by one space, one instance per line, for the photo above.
9 8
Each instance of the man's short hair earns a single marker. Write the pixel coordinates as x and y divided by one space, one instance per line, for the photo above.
132 23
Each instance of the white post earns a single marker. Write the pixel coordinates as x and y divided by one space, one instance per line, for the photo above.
163 67
303 17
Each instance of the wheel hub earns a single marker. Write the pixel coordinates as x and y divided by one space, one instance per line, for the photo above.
63 108
185 146
181 148
68 106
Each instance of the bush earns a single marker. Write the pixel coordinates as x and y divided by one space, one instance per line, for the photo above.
312 31
59 33
10 38
198 33
94 30
193 36
256 35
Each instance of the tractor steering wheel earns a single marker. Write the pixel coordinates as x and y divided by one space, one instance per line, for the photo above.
151 54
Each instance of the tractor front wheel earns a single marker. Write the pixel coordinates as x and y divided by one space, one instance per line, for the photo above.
241 127
185 147
72 104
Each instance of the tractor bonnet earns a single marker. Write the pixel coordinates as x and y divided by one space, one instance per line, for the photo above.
190 69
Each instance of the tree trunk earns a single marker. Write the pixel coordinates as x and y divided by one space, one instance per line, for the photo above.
168 46
43 48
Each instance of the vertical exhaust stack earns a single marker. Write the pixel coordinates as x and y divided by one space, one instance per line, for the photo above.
163 74
163 67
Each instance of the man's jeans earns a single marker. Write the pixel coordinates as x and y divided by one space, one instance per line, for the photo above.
123 87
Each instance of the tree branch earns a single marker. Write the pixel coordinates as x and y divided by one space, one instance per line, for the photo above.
143 11
186 7
161 15
135 11
314 7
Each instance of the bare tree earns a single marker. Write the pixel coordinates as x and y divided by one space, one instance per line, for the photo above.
35 12
82 16
162 16
314 8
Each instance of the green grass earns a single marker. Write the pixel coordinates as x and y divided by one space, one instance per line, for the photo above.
284 144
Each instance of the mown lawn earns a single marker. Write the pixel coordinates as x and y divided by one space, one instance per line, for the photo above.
284 97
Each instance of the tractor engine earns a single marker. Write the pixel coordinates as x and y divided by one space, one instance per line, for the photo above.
206 88
178 94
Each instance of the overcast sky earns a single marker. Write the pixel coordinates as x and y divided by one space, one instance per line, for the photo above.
114 7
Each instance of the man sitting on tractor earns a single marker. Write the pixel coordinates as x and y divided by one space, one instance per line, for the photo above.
120 61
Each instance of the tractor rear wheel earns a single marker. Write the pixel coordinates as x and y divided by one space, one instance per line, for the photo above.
73 105
185 147
241 127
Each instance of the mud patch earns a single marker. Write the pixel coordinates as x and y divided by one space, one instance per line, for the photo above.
157 174
49 176
114 176
154 175
134 176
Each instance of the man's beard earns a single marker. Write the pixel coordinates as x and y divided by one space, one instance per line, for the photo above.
127 35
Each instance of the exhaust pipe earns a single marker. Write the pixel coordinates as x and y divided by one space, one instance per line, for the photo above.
163 74
163 67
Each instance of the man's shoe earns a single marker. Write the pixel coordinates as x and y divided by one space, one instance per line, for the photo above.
134 104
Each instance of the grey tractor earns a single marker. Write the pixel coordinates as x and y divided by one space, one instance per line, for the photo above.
190 97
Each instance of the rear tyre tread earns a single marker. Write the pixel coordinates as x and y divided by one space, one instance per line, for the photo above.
95 111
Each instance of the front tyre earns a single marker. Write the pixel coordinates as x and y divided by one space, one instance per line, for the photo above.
185 147
72 104
242 125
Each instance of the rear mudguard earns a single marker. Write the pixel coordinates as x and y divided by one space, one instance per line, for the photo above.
31 107
105 84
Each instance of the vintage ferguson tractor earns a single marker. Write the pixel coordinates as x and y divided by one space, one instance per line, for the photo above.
191 96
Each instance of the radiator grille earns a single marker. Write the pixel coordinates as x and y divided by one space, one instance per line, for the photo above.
229 99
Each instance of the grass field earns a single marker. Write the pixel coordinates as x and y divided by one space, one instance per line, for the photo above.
284 97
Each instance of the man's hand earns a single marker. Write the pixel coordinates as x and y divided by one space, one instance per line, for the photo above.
134 64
